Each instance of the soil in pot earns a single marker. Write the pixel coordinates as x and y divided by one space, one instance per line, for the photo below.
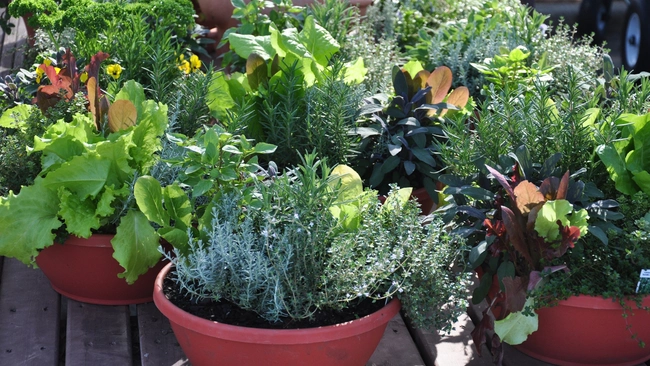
228 313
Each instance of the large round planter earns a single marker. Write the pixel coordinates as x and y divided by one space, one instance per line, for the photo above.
586 330
85 270
209 343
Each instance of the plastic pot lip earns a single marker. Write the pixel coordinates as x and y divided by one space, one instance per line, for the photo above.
596 302
268 336
95 240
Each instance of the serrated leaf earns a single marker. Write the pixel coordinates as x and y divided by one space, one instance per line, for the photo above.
27 222
516 327
79 215
83 175
149 197
15 117
136 246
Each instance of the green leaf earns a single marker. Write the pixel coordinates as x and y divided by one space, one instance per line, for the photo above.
118 153
409 167
355 72
516 327
599 233
219 98
176 237
480 292
15 117
83 175
413 67
264 148
27 221
424 156
549 214
136 246
178 206
477 254
246 44
642 179
318 41
147 133
397 199
201 187
149 196
79 215
390 164
617 170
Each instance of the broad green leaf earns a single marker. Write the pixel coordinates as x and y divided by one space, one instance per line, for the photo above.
104 205
149 196
27 221
413 67
355 72
424 156
318 41
133 92
292 43
256 70
84 175
118 154
136 246
351 184
220 100
178 206
264 148
390 164
516 327
147 134
397 199
15 117
79 215
548 216
246 44
277 42
176 237
642 179
579 219
617 170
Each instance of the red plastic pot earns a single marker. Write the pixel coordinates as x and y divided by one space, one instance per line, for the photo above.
85 270
586 330
208 343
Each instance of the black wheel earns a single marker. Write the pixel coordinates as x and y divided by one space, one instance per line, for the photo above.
636 37
593 17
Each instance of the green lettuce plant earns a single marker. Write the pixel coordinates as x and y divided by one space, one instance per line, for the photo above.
86 182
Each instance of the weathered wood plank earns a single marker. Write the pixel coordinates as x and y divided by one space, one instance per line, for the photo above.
29 317
8 51
98 335
396 348
158 345
21 42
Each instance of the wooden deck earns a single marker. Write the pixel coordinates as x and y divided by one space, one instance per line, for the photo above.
12 46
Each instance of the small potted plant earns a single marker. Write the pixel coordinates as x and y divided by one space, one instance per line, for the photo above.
306 268
83 195
400 135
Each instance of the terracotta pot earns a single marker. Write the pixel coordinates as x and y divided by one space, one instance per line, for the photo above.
208 343
586 330
85 270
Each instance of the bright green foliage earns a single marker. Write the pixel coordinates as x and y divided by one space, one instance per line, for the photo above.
136 245
86 185
628 159
27 221
517 326
510 69
559 210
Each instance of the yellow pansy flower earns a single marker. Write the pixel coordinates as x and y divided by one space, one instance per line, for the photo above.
57 69
184 66
114 70
195 63
39 74
47 62
83 77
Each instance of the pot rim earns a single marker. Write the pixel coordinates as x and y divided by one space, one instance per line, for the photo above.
94 240
598 302
268 336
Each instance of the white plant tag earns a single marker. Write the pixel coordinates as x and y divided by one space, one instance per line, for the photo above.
643 286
